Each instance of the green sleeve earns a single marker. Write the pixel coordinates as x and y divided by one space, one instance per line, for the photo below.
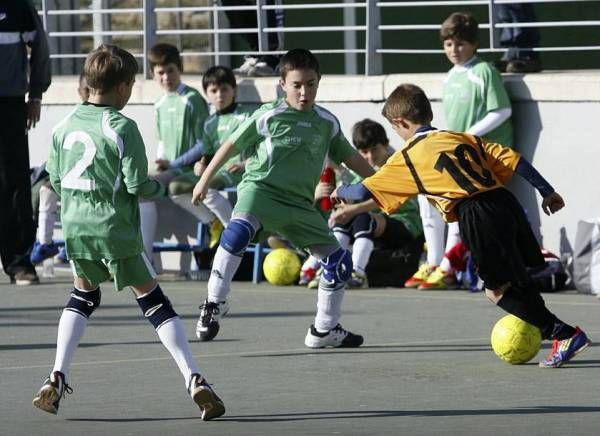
135 166
52 166
340 148
496 96
200 115
246 135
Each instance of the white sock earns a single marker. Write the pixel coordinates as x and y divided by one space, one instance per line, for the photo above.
70 330
148 219
453 237
311 263
433 229
219 205
329 309
224 267
361 252
47 215
172 335
343 239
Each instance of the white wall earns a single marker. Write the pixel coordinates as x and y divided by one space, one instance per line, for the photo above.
554 117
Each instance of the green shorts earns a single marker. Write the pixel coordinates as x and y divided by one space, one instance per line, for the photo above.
301 224
131 271
224 179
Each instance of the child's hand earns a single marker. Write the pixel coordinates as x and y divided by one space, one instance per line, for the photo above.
199 193
323 190
334 198
552 203
162 164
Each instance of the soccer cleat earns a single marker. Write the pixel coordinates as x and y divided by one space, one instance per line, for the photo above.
306 275
254 66
337 337
564 350
208 323
216 229
207 400
51 392
62 255
420 276
439 280
41 252
357 281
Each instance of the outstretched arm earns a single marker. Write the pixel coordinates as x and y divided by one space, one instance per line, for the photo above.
359 165
552 202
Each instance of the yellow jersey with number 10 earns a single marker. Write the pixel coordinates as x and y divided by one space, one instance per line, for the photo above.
445 166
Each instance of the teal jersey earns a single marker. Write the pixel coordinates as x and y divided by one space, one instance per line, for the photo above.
179 118
98 167
287 150
471 91
218 127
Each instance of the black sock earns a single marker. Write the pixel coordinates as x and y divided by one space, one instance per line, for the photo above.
530 307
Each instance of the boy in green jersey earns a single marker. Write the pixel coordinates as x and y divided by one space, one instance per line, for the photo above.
474 101
287 143
179 116
98 167
220 87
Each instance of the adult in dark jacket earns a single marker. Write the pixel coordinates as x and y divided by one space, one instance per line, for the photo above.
20 28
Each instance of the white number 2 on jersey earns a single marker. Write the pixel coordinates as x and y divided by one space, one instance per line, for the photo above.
73 180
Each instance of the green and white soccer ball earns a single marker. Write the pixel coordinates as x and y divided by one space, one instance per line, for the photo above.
282 267
515 341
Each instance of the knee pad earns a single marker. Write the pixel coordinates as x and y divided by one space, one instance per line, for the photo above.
337 270
84 303
156 307
237 236
363 226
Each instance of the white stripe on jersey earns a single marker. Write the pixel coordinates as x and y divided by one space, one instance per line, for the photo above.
263 128
113 136
324 113
64 120
148 265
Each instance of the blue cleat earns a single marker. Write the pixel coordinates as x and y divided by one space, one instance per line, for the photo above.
62 255
40 252
564 350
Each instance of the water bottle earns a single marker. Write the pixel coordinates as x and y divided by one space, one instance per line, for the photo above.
327 176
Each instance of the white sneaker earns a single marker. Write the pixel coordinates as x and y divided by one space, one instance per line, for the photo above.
208 323
336 337
207 400
253 66
49 396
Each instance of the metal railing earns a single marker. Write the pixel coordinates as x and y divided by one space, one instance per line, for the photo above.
362 20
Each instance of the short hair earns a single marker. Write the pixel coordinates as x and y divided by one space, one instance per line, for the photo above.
163 54
410 102
460 26
108 66
368 133
298 59
218 75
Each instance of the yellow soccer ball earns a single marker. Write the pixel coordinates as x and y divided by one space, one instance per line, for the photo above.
515 341
281 267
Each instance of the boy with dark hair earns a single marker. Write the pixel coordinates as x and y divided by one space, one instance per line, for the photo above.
360 223
180 114
220 87
464 176
98 167
288 141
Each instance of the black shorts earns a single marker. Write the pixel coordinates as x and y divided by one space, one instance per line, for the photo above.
495 228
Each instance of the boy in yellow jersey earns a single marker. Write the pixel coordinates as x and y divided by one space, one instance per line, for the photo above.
464 177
